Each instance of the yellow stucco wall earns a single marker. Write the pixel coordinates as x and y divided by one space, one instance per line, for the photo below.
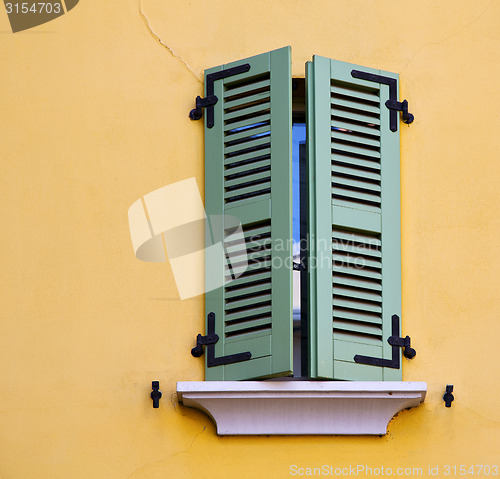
94 115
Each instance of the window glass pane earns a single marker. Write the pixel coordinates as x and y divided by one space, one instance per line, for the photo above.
298 138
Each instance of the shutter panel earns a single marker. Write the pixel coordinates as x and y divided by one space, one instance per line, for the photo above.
248 176
354 211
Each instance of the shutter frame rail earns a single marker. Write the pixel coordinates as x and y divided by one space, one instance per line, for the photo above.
392 104
210 100
396 342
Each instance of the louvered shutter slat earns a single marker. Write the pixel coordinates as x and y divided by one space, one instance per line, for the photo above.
355 128
338 89
365 120
248 89
245 102
234 126
248 134
247 279
238 115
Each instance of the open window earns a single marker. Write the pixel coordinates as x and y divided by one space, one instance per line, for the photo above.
341 187
310 169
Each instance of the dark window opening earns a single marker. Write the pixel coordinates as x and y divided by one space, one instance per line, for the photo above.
299 234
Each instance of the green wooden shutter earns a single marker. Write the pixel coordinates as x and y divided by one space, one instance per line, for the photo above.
354 212
248 176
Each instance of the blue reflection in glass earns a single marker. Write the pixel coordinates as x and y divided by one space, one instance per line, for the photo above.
298 138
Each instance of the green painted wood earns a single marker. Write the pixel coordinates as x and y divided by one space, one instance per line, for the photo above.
261 108
247 100
355 127
356 116
362 155
246 280
391 227
351 303
257 242
260 175
247 122
354 183
250 156
261 333
353 138
248 189
281 210
247 167
361 328
261 346
345 371
339 157
352 293
243 147
246 302
247 88
249 290
351 170
357 219
361 316
354 194
339 89
248 133
214 205
320 220
254 323
353 271
251 246
357 150
354 248
248 176
359 107
346 203
357 283
356 237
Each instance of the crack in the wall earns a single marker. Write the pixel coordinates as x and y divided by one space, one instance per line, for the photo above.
186 451
164 461
448 37
159 40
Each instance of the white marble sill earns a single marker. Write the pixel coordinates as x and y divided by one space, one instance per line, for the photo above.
301 407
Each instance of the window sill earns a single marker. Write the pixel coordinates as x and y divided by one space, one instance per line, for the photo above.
301 407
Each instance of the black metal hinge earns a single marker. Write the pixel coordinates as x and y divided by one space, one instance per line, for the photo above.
298 266
209 342
392 103
210 100
448 397
396 342
156 394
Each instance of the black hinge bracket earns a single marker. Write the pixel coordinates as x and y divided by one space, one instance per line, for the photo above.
210 100
209 342
298 266
448 397
396 342
155 393
392 103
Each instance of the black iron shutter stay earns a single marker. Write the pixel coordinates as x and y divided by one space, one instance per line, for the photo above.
392 103
210 100
209 342
396 342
